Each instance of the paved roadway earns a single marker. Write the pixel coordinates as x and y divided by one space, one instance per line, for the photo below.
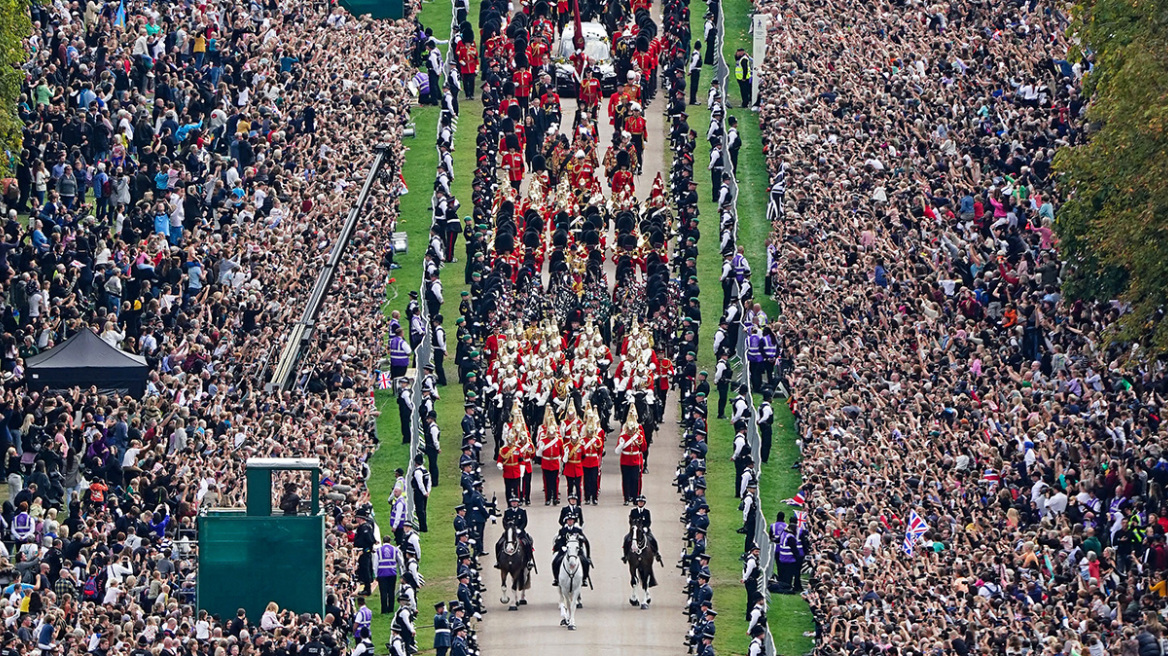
607 624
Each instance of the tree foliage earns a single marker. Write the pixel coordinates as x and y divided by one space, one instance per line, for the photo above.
1114 223
15 26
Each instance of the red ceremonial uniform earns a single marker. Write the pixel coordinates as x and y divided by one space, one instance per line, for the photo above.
634 446
574 467
537 54
590 92
513 161
635 125
522 80
622 181
553 448
582 176
594 449
645 61
549 99
511 457
468 58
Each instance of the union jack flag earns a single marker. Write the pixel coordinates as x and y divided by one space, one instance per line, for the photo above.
990 476
800 518
916 528
796 500
384 380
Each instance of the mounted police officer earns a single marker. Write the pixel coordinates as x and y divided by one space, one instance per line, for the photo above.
640 516
516 515
573 508
567 531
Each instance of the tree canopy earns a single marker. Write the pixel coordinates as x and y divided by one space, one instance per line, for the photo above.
1114 223
14 29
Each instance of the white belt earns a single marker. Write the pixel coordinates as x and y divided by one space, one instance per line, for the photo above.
441 630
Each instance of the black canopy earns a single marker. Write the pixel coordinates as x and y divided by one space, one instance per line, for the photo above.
84 360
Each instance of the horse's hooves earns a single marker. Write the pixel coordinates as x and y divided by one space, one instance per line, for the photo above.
644 606
504 600
522 602
571 627
632 602
513 607
579 604
563 622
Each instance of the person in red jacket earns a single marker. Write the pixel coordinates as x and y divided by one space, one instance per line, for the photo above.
593 446
513 162
636 126
574 462
590 92
523 82
622 183
510 459
629 447
550 449
468 66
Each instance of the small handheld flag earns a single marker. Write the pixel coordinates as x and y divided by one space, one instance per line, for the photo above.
916 528
796 500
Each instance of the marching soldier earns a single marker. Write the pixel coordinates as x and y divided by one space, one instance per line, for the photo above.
630 446
468 65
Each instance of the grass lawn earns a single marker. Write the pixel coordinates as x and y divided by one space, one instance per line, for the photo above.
437 562
789 615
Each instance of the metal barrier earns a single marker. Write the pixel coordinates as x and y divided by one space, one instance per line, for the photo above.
425 350
766 553
301 333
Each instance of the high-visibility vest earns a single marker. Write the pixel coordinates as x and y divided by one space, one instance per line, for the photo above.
739 72
387 560
399 352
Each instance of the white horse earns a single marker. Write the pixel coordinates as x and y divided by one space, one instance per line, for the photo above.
571 583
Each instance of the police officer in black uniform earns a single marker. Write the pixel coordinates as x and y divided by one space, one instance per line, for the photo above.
365 540
568 530
516 515
640 515
573 508
703 592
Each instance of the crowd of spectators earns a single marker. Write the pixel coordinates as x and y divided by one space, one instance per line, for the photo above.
185 171
934 365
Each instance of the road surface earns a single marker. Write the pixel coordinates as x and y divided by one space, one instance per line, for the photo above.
607 624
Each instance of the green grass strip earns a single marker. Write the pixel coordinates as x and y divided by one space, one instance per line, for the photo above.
437 563
788 615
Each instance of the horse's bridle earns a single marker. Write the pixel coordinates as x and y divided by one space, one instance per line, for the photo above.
640 538
511 544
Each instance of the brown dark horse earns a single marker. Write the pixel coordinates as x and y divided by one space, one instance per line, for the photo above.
513 559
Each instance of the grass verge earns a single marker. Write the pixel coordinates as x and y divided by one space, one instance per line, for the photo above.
789 615
437 562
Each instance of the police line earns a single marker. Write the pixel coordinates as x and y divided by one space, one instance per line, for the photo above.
425 351
761 538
